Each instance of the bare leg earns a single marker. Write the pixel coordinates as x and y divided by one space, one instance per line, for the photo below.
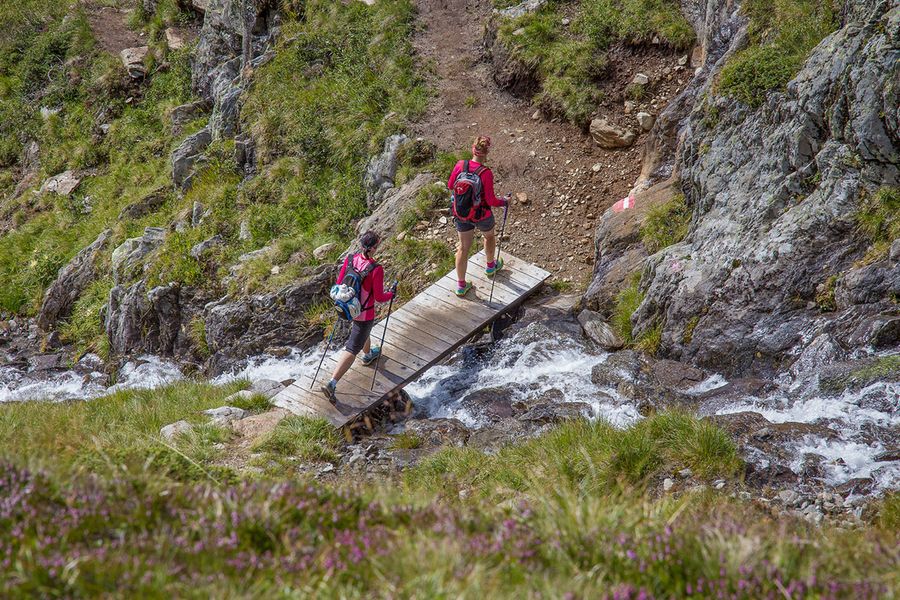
343 364
490 244
462 253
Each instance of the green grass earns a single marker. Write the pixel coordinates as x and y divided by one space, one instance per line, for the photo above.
570 62
666 224
302 437
879 220
627 301
114 435
585 457
782 34
407 441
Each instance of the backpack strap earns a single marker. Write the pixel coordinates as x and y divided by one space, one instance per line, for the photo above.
363 274
465 166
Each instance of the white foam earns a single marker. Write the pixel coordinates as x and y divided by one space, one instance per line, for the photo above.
146 372
534 364
291 366
712 382
846 460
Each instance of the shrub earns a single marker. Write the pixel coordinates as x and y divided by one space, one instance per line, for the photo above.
666 224
782 34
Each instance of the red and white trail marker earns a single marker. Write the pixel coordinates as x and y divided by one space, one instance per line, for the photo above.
623 204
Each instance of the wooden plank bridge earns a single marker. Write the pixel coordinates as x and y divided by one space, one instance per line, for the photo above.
420 333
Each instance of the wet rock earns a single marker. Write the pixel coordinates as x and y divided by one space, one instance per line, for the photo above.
63 184
380 172
610 136
888 455
599 331
138 320
127 257
186 155
246 326
492 403
203 247
812 466
856 486
225 414
676 375
851 376
557 412
47 362
173 430
70 283
133 59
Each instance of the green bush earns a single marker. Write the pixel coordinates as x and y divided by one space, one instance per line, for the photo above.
879 220
666 224
782 34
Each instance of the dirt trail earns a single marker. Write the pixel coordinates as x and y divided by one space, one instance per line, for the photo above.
110 25
551 163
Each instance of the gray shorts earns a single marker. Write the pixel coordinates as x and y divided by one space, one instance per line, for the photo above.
359 333
483 225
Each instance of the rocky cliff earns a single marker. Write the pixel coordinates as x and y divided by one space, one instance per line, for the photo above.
778 264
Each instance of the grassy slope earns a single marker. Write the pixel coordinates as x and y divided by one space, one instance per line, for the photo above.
569 61
318 110
106 505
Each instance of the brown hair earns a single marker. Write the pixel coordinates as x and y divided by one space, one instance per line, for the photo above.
481 145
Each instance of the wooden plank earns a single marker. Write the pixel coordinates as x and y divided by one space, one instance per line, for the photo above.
422 332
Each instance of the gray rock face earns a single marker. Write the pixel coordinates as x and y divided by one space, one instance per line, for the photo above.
127 258
610 136
383 219
70 283
774 192
141 321
200 249
146 205
382 168
188 153
185 113
226 93
239 328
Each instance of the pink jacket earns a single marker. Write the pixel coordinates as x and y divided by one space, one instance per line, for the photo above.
373 284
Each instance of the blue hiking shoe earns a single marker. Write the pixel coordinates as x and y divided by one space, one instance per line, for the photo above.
491 271
462 291
329 390
371 356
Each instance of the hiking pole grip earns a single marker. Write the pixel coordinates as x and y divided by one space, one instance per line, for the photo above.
383 334
327 346
499 245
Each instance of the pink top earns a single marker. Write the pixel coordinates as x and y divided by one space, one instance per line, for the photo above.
487 184
375 281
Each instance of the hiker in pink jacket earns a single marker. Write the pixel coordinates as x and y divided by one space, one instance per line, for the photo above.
372 291
472 187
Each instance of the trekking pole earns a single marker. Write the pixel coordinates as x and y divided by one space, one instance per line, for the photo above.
499 244
327 346
384 331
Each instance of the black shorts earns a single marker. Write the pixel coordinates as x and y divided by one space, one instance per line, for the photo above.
359 333
483 225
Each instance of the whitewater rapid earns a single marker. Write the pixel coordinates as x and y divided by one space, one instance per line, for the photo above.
533 364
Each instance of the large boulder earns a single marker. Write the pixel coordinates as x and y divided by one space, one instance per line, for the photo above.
380 172
599 331
71 282
133 59
188 153
396 201
138 321
610 136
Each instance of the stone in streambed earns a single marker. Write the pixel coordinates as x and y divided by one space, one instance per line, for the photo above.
599 331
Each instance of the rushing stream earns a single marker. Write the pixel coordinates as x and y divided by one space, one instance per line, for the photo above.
532 365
